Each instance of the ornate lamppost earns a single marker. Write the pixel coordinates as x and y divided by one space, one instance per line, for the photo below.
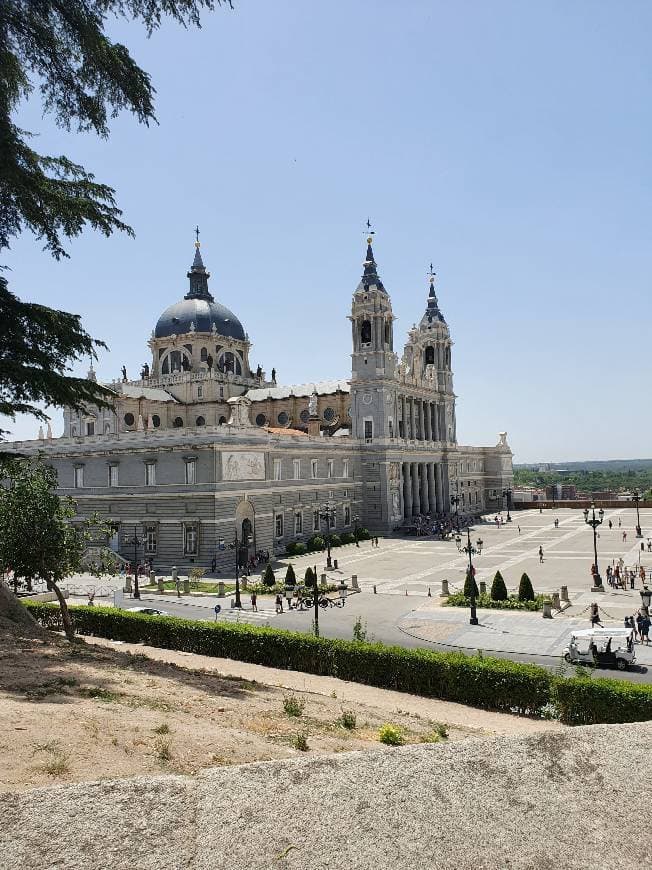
507 493
455 503
356 530
636 497
594 522
135 541
236 545
470 550
327 515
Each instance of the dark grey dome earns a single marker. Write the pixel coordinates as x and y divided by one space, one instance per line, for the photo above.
177 319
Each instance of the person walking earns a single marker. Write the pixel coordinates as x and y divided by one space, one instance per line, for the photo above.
639 620
624 536
213 565
645 630
254 602
595 615
610 525
540 555
620 522
279 603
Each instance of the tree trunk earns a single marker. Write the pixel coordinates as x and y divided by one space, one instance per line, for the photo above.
68 625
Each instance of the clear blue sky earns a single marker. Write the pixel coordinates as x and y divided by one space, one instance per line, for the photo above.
507 142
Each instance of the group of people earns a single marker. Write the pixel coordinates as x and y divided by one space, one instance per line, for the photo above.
619 577
640 622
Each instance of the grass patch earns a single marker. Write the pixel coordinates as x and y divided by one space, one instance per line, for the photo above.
58 761
195 586
391 735
293 706
300 741
347 720
163 749
163 728
99 694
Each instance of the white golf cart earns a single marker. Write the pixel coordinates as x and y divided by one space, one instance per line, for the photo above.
602 647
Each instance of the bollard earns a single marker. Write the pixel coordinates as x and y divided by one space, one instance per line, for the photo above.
375 590
547 610
175 573
335 564
152 578
232 603
245 580
555 601
161 587
406 593
186 585
564 593
483 587
128 583
354 581
323 581
444 588
642 547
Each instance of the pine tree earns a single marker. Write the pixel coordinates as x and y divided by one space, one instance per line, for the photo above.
290 579
269 578
525 590
498 588
469 584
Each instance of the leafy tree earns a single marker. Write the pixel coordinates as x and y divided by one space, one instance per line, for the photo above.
60 47
470 584
290 579
269 579
525 590
37 538
498 588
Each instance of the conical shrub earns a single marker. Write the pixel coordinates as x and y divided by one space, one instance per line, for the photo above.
498 588
290 579
309 577
525 590
268 577
470 584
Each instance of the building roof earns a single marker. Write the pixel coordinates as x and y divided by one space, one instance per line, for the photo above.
322 388
275 430
153 394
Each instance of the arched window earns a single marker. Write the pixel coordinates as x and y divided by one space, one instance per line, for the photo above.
388 333
200 421
156 420
230 362
203 356
365 332
222 421
430 355
329 414
178 423
175 361
260 419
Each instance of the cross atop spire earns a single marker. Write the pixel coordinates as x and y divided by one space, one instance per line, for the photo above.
197 242
370 274
198 275
433 314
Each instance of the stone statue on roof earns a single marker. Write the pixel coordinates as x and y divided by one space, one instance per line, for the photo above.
312 404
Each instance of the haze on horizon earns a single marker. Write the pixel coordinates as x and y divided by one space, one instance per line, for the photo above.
507 143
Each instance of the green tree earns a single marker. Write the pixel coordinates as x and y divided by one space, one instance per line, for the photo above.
269 579
470 584
525 590
37 538
290 578
309 577
60 48
498 588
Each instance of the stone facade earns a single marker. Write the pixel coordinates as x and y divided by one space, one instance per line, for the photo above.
201 448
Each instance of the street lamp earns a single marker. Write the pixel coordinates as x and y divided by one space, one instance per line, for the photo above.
327 515
135 541
636 497
471 550
594 522
235 545
356 530
455 502
507 493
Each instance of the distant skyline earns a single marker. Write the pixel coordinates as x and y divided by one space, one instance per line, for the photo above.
507 143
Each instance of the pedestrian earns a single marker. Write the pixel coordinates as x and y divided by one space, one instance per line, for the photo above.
213 565
624 536
540 555
610 525
254 602
639 621
279 603
376 540
645 630
519 529
595 615
632 575
620 522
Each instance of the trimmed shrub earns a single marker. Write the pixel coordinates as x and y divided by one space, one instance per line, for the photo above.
488 683
336 541
525 590
469 584
309 577
590 702
391 735
268 577
299 548
290 578
364 534
291 548
348 538
316 543
498 588
459 599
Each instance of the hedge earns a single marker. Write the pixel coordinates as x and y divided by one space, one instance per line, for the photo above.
588 701
494 684
459 599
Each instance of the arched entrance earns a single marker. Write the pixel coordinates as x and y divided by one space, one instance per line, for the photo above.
245 527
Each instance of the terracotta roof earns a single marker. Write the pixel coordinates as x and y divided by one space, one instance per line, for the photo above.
281 431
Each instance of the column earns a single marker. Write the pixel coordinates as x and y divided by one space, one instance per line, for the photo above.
416 501
425 505
403 417
446 487
421 421
412 436
439 488
433 421
426 422
407 490
432 493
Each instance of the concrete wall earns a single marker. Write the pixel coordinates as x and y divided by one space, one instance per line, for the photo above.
567 800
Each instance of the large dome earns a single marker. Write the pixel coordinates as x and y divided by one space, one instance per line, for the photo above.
198 315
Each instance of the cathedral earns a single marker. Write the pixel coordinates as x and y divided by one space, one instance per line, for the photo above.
202 453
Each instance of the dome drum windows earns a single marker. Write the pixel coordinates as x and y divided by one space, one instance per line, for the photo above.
283 418
365 332
200 421
129 419
430 355
261 419
329 414
304 416
176 361
177 423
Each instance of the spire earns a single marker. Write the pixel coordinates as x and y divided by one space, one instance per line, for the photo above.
198 275
433 314
370 274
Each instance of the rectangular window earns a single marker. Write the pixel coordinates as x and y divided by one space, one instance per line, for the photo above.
221 392
278 522
150 474
191 471
315 521
113 475
277 469
331 467
150 540
313 468
347 515
190 540
90 428
79 476
200 392
296 468
298 523
368 430
345 468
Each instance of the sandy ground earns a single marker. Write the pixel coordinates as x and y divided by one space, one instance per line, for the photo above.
98 710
